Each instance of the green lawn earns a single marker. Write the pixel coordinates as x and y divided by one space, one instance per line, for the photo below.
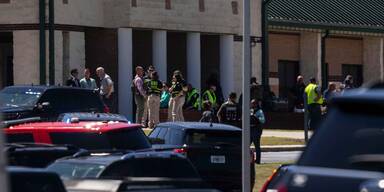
263 172
281 141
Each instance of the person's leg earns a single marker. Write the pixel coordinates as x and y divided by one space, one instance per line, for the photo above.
145 111
139 100
150 111
180 108
258 134
174 109
311 117
156 110
316 116
170 106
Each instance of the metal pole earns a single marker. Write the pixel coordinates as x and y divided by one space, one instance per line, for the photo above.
51 42
43 79
246 96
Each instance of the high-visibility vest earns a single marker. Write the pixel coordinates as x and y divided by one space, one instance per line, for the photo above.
211 97
154 87
311 93
189 97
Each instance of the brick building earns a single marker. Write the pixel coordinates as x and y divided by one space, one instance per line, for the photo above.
200 37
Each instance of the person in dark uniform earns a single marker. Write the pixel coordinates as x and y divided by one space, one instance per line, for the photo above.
73 81
208 114
257 119
229 112
178 89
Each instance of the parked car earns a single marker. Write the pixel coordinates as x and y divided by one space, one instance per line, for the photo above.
87 135
36 180
163 166
214 149
83 116
275 177
136 185
19 102
37 155
345 151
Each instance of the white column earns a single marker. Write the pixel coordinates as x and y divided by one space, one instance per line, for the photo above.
227 64
159 47
310 55
125 72
194 60
373 66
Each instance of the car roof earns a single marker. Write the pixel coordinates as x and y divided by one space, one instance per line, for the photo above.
83 116
74 127
362 95
109 158
199 126
44 88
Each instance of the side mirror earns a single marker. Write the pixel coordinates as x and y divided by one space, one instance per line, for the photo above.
43 106
157 141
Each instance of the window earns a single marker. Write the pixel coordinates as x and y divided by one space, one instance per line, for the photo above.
76 170
20 138
131 139
204 137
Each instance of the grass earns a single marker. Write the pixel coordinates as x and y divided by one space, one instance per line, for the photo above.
281 141
263 172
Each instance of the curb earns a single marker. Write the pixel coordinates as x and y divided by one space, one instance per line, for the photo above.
282 149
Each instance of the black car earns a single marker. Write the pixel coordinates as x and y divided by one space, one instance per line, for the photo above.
346 151
19 102
214 149
122 165
36 180
37 155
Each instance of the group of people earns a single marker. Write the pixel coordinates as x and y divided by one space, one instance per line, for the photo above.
106 88
312 98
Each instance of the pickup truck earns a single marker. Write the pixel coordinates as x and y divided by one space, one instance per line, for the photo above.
345 152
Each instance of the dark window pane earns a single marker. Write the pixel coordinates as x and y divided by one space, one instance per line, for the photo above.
208 137
76 170
20 138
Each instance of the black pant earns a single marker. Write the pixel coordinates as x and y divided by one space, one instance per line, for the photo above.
314 116
256 133
109 102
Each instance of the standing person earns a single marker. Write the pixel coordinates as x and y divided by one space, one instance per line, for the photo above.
147 78
330 92
210 95
298 93
314 101
348 83
178 97
256 90
229 112
192 99
257 120
165 96
87 82
140 94
106 88
154 87
208 115
73 80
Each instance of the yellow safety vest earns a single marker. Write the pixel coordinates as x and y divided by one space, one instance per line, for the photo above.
311 93
211 97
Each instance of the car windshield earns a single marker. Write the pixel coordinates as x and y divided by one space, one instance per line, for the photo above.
131 139
348 139
19 97
152 167
213 137
71 170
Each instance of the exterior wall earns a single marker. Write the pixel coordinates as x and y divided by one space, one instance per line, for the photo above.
281 47
77 52
82 12
342 51
19 11
310 55
26 57
373 68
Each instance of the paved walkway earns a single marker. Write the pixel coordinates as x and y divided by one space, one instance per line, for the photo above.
286 134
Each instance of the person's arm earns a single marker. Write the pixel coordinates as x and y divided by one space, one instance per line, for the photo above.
318 94
109 88
140 86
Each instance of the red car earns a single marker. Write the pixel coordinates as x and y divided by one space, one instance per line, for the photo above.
87 135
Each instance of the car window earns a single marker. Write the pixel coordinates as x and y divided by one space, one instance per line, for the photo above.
131 139
151 167
20 138
155 132
213 137
19 97
346 140
76 170
162 133
35 182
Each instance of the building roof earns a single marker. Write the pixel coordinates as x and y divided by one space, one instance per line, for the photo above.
356 15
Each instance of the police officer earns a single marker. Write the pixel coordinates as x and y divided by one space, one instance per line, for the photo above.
154 87
178 89
229 112
210 95
192 99
314 101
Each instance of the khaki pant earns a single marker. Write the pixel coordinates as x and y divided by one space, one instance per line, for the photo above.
153 110
177 108
145 112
